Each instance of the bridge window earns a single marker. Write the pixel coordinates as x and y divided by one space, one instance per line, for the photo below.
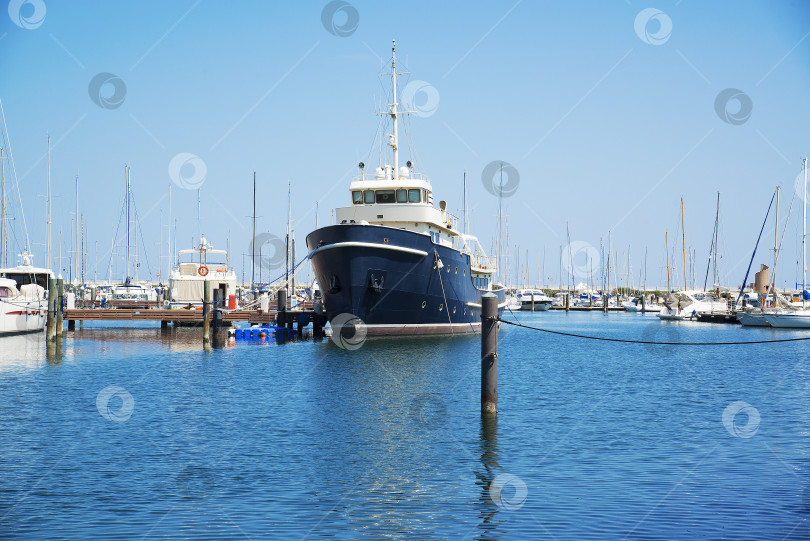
4 292
413 196
368 196
357 197
402 196
385 196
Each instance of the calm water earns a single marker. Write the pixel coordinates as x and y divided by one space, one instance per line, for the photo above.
128 434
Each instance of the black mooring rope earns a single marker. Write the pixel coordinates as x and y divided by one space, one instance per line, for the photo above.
606 339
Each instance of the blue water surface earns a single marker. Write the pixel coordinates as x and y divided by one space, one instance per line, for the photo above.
134 433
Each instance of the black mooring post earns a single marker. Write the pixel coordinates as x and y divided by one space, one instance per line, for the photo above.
489 354
217 310
281 308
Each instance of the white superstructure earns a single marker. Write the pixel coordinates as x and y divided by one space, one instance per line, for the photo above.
195 266
23 298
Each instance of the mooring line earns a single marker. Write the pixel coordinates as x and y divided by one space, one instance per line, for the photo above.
626 341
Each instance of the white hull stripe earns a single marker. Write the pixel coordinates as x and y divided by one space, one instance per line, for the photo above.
476 305
368 245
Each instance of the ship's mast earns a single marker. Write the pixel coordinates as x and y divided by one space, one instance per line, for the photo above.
126 175
804 236
76 233
48 257
3 237
393 142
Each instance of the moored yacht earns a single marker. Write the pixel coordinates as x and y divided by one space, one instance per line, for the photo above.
533 300
395 261
194 267
23 298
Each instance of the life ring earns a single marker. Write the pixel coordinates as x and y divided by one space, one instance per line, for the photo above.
203 271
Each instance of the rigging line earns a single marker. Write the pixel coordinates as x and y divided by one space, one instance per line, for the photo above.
446 305
753 255
626 341
16 180
145 253
115 238
457 297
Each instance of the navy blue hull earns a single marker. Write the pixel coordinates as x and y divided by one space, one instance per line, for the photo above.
392 280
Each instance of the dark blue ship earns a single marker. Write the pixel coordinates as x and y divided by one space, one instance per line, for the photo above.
395 261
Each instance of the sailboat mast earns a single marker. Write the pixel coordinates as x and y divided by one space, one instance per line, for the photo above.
288 245
199 227
775 247
3 239
76 232
48 257
666 243
394 141
126 176
683 231
716 239
169 248
253 244
466 224
804 235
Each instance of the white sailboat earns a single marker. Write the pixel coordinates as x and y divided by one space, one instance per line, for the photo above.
23 289
796 319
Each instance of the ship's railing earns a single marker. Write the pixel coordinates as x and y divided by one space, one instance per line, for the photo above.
469 244
450 220
372 176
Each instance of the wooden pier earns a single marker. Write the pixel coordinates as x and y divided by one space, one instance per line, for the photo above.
589 308
135 314
252 317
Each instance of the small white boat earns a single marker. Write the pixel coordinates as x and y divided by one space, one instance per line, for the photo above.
133 292
187 279
533 299
635 305
752 319
23 298
794 319
690 304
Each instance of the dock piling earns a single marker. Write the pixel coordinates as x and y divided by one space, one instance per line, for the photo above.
489 354
51 321
60 305
207 314
217 310
281 307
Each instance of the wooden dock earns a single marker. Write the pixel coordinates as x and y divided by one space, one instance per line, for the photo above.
589 308
185 316
291 318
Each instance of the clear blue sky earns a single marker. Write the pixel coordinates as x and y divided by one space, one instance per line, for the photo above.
607 127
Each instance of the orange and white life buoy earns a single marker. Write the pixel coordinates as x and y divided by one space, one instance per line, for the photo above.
203 271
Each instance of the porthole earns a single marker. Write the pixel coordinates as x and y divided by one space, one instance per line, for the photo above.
424 303
441 307
465 311
434 264
464 272
456 270
454 309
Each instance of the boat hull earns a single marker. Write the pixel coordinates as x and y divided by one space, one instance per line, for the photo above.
22 316
788 321
397 282
539 306
752 320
